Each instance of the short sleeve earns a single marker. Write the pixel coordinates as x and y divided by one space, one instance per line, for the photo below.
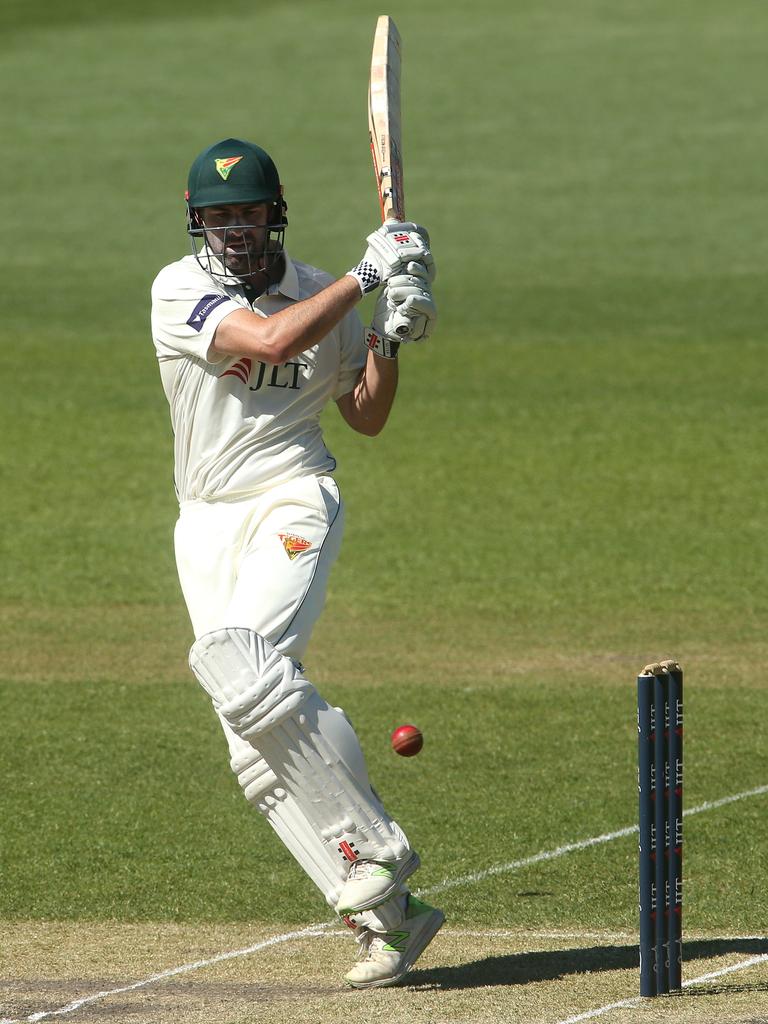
353 353
186 313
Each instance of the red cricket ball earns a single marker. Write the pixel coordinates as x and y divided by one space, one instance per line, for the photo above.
407 740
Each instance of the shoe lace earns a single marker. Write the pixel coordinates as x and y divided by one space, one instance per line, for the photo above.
363 869
369 943
364 940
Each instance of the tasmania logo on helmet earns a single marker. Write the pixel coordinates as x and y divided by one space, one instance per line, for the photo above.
225 164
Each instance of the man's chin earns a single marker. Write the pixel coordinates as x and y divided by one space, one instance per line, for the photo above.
254 270
244 267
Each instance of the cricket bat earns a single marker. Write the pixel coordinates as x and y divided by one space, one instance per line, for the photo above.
384 128
384 119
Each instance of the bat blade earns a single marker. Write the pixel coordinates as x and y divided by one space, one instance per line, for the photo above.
384 119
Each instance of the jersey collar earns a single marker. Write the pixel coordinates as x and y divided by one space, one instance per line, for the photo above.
288 284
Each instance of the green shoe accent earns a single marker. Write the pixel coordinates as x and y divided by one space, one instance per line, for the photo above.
386 958
416 907
397 941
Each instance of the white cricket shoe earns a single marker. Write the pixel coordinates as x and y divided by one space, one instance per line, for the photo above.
371 882
385 957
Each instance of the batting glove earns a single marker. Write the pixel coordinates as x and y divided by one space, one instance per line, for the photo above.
390 249
376 338
411 311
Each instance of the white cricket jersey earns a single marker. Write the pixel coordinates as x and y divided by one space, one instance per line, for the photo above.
241 426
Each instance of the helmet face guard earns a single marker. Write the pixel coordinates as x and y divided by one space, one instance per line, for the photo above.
243 234
241 248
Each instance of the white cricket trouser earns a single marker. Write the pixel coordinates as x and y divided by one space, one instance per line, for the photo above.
235 566
236 570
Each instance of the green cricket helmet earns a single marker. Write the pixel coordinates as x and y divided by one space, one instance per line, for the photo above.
234 172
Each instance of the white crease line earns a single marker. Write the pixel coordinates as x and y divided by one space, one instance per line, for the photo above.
628 1003
742 966
311 930
523 935
316 929
582 844
512 933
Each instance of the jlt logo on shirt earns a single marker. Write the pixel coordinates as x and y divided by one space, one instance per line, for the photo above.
285 376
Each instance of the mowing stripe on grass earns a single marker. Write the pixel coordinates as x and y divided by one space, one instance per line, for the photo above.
636 1000
314 930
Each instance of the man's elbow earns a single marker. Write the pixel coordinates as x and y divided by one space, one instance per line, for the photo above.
277 344
277 351
369 427
256 338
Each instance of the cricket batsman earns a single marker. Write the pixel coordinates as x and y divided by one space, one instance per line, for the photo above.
252 345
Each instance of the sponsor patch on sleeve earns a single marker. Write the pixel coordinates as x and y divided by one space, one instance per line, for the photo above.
203 309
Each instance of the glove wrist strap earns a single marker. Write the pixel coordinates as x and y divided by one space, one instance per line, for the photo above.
380 345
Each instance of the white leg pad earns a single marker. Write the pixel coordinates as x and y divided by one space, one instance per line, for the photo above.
317 792
261 788
259 784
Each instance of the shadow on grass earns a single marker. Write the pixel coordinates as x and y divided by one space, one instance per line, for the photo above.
548 965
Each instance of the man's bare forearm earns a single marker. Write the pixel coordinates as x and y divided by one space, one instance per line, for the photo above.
366 408
277 338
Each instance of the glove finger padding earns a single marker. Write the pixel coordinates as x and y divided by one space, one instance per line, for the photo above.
401 286
404 318
420 271
425 270
409 322
394 245
411 312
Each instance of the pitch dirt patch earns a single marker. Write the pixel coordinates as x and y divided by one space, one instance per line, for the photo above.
465 977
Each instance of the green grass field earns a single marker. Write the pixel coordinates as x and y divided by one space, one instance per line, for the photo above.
572 484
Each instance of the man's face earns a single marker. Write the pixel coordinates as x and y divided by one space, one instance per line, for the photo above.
237 235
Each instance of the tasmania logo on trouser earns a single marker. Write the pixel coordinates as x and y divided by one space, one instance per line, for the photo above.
294 545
